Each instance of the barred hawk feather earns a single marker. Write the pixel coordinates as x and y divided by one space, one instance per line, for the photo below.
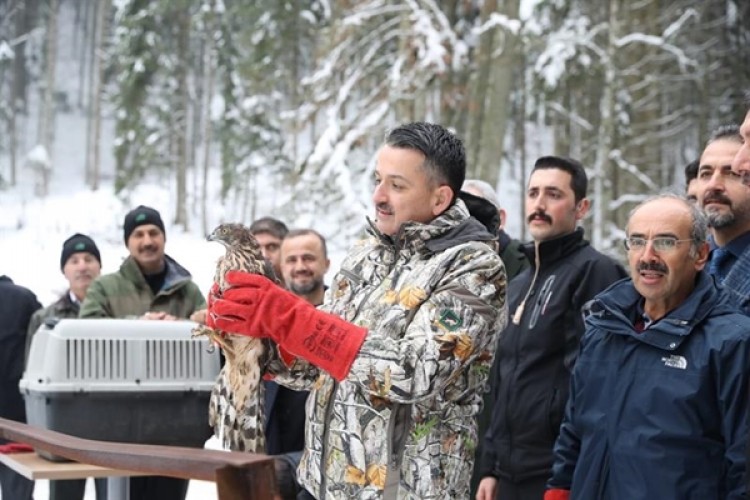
236 410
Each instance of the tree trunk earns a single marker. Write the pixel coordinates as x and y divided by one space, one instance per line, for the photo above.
501 75
209 67
100 41
478 89
183 49
605 133
25 13
83 24
46 131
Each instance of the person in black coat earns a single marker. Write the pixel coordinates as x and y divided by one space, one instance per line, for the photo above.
304 263
537 349
17 304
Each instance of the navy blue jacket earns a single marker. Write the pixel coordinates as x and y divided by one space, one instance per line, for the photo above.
737 281
662 413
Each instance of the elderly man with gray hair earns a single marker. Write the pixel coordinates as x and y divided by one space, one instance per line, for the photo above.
509 249
658 397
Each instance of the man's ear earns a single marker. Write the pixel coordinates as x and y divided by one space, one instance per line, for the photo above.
582 208
502 215
702 256
442 199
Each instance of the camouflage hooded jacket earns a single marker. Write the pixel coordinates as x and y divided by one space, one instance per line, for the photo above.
403 423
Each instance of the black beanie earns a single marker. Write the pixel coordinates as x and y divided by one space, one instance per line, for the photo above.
78 243
139 216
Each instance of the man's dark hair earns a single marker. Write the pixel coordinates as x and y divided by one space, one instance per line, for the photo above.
269 225
747 101
725 132
305 232
691 170
579 181
445 157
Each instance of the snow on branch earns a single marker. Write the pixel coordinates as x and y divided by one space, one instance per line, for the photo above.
683 60
627 198
616 156
676 26
498 21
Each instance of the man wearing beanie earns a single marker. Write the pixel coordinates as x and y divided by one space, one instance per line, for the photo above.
148 285
80 263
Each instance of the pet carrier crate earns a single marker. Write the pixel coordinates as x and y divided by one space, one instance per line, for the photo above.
135 381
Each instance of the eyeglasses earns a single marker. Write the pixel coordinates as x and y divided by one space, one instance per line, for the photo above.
660 244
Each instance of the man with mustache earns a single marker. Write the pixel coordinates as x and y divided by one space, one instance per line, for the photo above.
149 285
726 201
397 356
537 349
81 264
658 401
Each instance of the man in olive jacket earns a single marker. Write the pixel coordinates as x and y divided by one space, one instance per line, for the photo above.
149 285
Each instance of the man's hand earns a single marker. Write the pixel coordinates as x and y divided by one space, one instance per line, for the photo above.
199 316
159 316
487 488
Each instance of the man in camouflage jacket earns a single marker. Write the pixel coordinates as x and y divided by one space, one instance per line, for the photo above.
396 385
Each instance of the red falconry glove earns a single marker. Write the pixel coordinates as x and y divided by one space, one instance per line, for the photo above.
12 447
255 306
557 494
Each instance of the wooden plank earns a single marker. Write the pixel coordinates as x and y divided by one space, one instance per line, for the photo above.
239 476
34 467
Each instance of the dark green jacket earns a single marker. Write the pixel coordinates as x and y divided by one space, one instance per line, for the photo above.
63 308
510 251
125 293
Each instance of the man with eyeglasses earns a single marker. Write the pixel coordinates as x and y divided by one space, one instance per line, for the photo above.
536 350
658 402
726 201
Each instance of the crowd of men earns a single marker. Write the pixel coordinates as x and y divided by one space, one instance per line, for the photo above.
448 360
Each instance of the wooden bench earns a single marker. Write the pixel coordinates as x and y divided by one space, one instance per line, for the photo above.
238 476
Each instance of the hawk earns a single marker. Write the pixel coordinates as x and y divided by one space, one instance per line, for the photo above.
236 410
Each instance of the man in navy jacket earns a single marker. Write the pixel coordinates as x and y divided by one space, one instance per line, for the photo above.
658 398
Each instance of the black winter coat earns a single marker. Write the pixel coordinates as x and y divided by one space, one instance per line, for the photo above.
17 304
534 358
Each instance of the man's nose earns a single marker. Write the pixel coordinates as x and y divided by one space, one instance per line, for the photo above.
378 194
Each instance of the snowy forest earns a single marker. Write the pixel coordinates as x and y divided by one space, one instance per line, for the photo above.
230 100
